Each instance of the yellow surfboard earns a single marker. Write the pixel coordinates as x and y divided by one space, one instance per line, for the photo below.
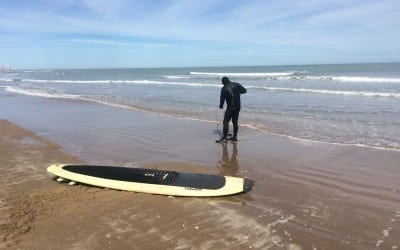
152 181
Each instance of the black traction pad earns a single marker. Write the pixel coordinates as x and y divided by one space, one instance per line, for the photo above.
150 176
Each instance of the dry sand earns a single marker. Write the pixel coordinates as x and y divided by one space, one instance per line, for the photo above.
307 196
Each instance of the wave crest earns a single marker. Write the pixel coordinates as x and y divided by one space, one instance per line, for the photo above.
362 79
260 74
32 92
332 92
177 77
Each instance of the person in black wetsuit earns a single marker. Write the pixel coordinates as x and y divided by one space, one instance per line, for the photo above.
230 93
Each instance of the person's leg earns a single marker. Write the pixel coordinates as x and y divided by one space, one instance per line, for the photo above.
227 118
235 119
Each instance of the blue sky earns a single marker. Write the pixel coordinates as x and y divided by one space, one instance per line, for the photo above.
173 33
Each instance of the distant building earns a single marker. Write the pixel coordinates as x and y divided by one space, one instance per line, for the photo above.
4 69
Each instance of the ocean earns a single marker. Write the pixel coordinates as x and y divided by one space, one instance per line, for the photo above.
352 104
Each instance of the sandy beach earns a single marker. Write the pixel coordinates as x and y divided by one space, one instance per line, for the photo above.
306 195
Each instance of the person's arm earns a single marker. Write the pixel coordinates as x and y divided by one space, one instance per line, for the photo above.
242 89
222 99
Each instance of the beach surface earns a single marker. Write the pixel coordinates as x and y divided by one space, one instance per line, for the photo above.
306 196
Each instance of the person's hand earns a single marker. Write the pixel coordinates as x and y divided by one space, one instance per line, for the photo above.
221 107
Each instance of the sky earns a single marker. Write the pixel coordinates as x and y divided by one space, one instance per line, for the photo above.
186 33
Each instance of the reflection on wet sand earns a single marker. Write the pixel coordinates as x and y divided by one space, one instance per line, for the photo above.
229 165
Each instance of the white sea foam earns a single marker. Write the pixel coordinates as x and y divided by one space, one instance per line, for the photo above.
365 79
38 93
361 79
38 71
141 82
6 80
189 84
177 77
66 81
256 74
331 92
386 232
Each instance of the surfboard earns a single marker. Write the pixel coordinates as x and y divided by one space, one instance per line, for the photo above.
152 181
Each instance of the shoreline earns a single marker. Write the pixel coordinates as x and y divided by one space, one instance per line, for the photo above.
305 195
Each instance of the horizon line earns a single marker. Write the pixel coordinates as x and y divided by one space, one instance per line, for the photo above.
224 66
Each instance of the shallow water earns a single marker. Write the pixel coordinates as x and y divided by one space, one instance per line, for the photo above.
355 104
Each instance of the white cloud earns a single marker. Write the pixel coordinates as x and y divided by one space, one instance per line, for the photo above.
267 22
114 43
95 42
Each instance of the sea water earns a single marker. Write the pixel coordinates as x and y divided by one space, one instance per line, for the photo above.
357 104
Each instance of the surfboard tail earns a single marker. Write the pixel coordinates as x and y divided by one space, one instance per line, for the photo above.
247 185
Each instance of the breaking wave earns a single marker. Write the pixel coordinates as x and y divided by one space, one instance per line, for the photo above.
177 77
262 74
39 93
141 82
341 79
332 92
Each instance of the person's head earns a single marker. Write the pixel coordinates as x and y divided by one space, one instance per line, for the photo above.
225 80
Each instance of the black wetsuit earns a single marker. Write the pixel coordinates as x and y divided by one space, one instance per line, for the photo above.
231 94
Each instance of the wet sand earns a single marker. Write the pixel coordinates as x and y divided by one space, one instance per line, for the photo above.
307 195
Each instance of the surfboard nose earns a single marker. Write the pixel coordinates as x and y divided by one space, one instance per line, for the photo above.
247 185
53 168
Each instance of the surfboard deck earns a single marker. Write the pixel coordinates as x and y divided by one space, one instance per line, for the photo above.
153 181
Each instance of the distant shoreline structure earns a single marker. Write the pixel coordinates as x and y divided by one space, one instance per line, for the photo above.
5 69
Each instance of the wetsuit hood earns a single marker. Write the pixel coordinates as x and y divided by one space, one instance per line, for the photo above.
225 80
